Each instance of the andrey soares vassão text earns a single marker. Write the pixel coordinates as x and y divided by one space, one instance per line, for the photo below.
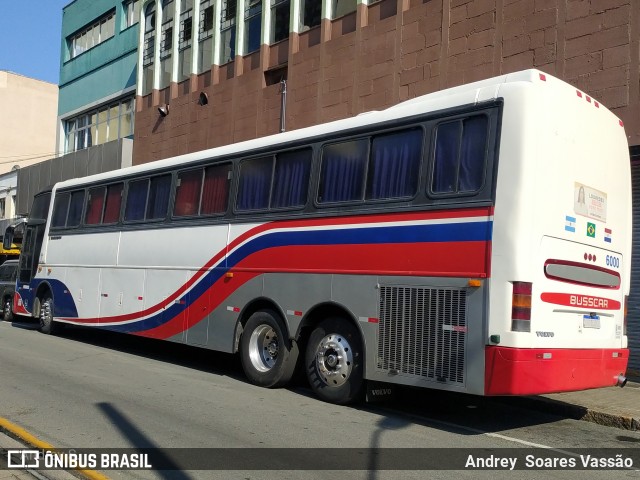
548 462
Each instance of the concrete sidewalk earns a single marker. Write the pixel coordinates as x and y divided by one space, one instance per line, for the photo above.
612 406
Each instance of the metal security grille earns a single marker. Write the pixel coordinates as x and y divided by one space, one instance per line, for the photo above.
422 332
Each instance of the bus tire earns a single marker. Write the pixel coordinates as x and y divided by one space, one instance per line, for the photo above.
334 361
47 325
7 314
268 356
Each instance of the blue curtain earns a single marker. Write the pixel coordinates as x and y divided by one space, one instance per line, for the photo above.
136 200
474 142
343 166
291 179
159 197
255 181
395 164
446 157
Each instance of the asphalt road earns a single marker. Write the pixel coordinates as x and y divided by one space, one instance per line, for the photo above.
91 389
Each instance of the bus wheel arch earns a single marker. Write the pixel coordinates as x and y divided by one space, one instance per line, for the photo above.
334 354
268 354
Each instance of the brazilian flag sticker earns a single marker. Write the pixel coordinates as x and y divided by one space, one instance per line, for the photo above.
591 230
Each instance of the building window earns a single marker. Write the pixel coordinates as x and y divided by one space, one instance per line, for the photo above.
166 42
205 36
107 123
184 44
93 35
131 9
228 31
253 25
310 14
148 49
280 10
343 7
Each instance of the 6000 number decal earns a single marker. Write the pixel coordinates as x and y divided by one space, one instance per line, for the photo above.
613 261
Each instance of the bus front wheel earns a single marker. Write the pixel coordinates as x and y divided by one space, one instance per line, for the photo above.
47 325
268 356
334 361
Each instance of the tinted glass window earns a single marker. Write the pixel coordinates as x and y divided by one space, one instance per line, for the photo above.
60 209
75 209
95 204
136 200
459 157
343 169
158 203
291 179
394 165
113 203
215 191
188 191
255 183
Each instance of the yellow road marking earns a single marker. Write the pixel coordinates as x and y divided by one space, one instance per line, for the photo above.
22 434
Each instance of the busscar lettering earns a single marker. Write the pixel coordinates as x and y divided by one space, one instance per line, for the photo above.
491 462
584 301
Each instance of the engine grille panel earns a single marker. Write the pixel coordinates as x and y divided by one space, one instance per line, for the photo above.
422 332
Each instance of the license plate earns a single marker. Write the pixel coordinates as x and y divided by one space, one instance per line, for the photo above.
589 321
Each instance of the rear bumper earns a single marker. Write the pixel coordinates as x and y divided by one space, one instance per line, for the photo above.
534 371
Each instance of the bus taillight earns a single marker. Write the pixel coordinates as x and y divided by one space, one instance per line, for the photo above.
624 321
521 307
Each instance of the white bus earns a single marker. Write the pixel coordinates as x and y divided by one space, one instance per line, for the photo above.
476 239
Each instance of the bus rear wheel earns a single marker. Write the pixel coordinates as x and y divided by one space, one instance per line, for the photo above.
7 314
334 361
268 356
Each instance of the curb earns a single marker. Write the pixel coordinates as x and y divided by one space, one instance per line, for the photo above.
578 412
22 435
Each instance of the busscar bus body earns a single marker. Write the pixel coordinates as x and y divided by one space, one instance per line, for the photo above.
476 239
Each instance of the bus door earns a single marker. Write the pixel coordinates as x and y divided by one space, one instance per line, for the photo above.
29 259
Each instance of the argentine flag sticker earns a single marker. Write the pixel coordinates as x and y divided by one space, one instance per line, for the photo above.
570 224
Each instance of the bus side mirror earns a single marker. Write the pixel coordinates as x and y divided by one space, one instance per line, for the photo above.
7 241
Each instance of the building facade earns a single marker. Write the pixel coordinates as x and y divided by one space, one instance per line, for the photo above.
340 58
95 115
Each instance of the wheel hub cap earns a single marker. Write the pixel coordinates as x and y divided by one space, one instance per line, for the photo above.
334 359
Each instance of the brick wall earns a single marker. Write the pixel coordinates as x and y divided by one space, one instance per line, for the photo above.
394 50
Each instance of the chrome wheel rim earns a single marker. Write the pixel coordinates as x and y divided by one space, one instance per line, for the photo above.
264 346
45 314
334 359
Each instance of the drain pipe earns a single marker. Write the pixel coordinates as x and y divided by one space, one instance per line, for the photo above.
283 104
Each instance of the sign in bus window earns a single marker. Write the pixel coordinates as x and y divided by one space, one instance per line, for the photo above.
343 168
459 158
394 165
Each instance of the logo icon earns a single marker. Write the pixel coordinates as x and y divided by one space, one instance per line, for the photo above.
23 458
591 230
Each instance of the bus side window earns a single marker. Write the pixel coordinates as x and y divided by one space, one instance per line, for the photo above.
60 209
255 184
95 204
459 157
113 203
291 179
215 191
159 192
342 171
75 209
136 200
188 189
394 165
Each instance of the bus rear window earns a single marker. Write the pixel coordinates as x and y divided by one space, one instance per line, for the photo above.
582 274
